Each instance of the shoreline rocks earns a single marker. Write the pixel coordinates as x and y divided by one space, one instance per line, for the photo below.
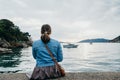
5 50
4 43
19 45
6 47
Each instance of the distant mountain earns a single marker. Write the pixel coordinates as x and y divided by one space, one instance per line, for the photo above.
117 39
97 40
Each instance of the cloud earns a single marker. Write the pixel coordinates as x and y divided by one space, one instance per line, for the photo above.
71 20
20 3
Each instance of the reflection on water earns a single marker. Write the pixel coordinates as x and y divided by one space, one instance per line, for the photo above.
84 58
95 57
10 59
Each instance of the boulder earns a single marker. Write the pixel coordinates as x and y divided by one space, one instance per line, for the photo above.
24 45
5 50
4 43
29 42
20 45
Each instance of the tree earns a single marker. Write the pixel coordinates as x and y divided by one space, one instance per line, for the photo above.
11 32
6 24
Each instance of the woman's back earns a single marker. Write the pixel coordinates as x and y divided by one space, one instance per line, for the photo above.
41 54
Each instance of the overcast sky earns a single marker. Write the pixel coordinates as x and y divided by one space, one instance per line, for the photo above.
71 20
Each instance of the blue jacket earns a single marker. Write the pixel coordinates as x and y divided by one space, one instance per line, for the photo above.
42 56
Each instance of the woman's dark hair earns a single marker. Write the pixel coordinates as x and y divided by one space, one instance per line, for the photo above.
45 31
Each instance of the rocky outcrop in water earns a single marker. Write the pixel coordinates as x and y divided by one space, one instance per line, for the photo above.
5 47
5 50
4 43
11 36
20 44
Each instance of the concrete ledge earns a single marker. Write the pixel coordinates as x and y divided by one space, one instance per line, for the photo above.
69 76
13 76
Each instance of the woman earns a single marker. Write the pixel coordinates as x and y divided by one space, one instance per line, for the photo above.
45 66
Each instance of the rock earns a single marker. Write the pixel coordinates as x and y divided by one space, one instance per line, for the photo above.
4 43
13 44
5 50
24 45
20 45
29 43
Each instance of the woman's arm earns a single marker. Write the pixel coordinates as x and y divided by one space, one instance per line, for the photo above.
59 53
33 51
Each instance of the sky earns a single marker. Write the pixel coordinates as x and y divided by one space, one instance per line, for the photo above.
71 20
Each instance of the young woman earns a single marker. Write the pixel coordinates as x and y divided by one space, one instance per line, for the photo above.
45 67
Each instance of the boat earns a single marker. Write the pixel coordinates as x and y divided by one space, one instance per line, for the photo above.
70 46
90 43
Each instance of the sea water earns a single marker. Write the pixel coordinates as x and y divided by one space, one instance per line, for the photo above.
96 57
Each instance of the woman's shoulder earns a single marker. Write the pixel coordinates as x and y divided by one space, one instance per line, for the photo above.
36 42
54 41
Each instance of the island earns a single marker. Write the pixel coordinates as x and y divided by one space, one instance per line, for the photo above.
101 40
97 40
12 37
116 40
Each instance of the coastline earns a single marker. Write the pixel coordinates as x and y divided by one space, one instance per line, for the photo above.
6 47
69 76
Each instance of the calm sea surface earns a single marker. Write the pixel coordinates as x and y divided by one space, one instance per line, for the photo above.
86 58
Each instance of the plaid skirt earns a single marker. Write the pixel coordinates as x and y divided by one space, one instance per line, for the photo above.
47 72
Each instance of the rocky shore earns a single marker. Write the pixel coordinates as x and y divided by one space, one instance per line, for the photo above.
12 37
6 47
5 50
69 76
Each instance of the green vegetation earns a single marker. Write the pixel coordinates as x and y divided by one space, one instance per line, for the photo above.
117 39
11 33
